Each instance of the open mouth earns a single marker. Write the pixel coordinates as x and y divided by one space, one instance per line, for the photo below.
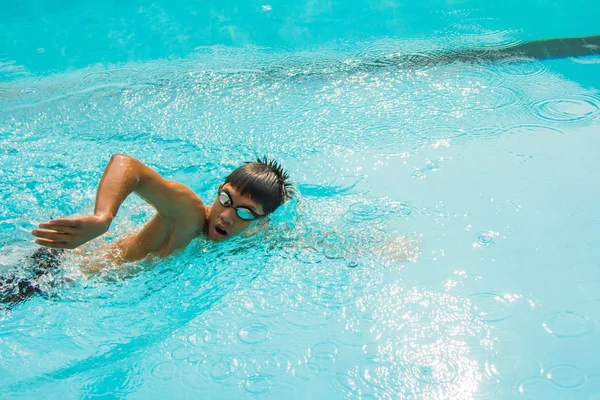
220 232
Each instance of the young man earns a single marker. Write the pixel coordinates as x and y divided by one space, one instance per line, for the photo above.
251 192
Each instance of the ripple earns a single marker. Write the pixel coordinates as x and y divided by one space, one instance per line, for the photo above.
346 385
254 333
97 76
521 67
491 383
309 255
333 246
205 337
568 110
531 129
262 307
322 355
430 166
441 133
482 32
379 376
566 376
536 388
223 368
257 384
478 75
385 54
164 371
359 332
364 236
333 297
401 209
180 353
486 238
308 318
490 307
566 324
278 363
363 212
493 98
434 369
496 39
418 61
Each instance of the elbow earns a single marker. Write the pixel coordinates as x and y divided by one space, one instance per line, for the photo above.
124 160
130 164
121 157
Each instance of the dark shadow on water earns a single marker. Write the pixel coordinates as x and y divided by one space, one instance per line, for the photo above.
545 49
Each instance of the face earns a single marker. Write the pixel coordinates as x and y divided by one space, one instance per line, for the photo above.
223 222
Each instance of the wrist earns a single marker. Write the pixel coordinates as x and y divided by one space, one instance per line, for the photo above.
106 219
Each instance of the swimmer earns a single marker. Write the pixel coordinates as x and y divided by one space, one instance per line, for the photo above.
248 194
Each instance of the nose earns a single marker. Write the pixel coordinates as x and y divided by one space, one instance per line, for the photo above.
228 216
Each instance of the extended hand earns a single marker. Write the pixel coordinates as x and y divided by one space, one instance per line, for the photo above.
69 233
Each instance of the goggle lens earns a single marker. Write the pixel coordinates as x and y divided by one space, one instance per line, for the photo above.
242 212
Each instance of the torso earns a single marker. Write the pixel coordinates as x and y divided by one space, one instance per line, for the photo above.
160 237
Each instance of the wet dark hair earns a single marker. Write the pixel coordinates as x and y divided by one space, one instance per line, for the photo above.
265 181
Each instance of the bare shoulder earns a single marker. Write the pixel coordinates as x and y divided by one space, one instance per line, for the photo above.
183 190
187 201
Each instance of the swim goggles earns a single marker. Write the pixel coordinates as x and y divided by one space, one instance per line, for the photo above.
242 212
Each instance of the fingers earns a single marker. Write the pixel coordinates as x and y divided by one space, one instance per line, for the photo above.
58 228
72 222
52 235
57 233
54 244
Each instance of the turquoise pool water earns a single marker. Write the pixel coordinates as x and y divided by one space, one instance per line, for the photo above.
443 244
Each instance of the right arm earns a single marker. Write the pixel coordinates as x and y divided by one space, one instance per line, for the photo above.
124 175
